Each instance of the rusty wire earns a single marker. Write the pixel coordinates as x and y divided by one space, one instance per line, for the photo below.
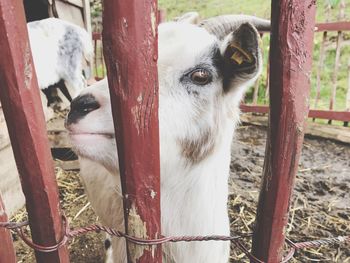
236 240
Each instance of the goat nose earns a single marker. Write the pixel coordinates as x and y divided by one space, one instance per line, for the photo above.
80 107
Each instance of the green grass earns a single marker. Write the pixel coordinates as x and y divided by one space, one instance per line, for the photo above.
261 8
101 71
326 77
215 7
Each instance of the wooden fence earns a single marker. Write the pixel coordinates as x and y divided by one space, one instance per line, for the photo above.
315 113
22 108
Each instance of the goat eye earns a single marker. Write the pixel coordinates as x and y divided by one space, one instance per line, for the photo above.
201 77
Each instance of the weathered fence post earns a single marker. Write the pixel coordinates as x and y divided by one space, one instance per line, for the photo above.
19 95
292 31
130 49
7 252
321 59
267 82
347 103
257 82
320 68
332 100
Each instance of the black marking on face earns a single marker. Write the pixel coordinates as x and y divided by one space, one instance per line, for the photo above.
240 59
80 107
219 62
222 67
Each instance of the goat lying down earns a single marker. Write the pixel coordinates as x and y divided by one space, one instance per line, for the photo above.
203 72
59 49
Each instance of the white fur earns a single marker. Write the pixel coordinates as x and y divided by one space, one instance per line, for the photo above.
193 195
45 38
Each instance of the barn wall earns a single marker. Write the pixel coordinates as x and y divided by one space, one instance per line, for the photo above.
36 9
75 11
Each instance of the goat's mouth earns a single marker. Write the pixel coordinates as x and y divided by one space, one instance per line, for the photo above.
92 134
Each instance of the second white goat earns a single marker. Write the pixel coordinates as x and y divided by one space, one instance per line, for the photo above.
59 50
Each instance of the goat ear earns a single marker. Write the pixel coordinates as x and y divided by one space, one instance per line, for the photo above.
240 51
189 17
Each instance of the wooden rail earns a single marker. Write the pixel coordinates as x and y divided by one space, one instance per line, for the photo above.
130 49
315 113
319 114
334 26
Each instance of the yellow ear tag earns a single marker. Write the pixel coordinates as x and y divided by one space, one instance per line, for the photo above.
237 56
240 55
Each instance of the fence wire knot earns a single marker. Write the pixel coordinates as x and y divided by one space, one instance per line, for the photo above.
70 233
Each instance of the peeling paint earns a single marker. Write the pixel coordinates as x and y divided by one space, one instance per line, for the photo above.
300 130
137 119
153 194
125 22
153 22
2 211
28 71
137 228
139 98
154 250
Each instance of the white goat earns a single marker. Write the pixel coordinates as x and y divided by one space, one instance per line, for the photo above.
202 78
59 49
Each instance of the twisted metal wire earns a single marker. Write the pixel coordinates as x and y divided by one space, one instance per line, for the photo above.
236 240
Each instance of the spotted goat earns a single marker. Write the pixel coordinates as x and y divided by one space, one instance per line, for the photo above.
59 49
204 70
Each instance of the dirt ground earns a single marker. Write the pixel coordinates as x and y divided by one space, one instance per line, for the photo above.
320 207
321 201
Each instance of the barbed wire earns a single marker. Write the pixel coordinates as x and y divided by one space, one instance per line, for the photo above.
70 233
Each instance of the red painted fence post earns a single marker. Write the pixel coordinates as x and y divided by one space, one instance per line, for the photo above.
292 31
7 251
130 50
19 95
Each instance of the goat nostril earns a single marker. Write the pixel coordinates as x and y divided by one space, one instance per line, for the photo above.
81 106
84 104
